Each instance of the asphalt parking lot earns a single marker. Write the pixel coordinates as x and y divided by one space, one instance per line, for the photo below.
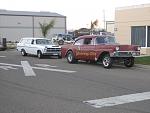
51 85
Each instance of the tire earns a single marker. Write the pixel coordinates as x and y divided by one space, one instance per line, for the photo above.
107 61
23 52
61 42
39 54
71 58
129 62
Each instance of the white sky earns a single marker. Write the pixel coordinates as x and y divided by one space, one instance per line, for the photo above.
79 13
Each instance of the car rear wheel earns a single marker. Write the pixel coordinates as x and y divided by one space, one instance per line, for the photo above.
23 52
39 54
107 61
70 57
129 62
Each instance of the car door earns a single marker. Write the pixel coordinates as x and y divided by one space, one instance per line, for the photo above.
77 48
28 46
92 49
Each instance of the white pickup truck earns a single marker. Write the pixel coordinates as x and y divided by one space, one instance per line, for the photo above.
39 47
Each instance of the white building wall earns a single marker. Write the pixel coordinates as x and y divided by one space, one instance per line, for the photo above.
14 34
15 27
59 26
15 21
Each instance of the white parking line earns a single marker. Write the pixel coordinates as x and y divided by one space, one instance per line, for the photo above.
45 65
7 67
56 70
41 68
2 56
28 71
112 101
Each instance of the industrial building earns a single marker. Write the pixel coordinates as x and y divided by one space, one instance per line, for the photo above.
132 26
17 24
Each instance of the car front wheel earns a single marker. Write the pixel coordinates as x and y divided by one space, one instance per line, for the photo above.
107 61
129 62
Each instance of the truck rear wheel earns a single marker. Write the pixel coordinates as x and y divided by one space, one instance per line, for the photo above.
107 61
129 62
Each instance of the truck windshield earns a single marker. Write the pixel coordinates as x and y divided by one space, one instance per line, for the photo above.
105 39
43 42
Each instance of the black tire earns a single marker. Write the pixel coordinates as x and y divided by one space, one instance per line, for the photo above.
23 52
61 42
70 57
107 61
39 54
129 62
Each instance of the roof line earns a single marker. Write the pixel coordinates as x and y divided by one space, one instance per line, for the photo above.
133 7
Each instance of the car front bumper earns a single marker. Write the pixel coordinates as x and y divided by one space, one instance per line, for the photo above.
125 54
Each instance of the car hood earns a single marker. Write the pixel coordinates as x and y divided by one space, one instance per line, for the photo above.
122 47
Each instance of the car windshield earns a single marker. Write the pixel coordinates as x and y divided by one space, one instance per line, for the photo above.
105 39
65 37
43 42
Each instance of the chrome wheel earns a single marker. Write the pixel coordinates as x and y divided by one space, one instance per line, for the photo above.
71 57
107 61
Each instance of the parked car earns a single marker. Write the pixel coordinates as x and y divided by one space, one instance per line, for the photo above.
100 48
39 47
62 39
2 45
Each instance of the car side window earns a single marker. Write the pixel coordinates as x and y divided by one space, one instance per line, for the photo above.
32 42
79 42
28 41
88 41
100 40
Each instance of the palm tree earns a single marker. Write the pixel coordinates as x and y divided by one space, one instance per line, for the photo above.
45 27
93 25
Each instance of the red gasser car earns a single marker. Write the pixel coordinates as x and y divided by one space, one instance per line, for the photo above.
100 48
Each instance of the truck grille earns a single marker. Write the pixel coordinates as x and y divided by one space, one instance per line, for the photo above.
53 49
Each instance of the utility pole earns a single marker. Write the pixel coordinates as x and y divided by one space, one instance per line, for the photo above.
104 18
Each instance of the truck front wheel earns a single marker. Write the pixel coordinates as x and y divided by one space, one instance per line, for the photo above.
39 54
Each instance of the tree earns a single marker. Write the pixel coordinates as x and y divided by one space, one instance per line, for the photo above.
45 27
93 25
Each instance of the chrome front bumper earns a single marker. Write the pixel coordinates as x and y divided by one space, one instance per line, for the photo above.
125 54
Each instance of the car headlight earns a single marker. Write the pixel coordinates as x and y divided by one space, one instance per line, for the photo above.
117 48
138 48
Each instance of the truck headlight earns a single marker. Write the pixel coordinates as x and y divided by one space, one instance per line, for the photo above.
45 49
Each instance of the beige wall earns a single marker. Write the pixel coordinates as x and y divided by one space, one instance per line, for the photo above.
131 16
